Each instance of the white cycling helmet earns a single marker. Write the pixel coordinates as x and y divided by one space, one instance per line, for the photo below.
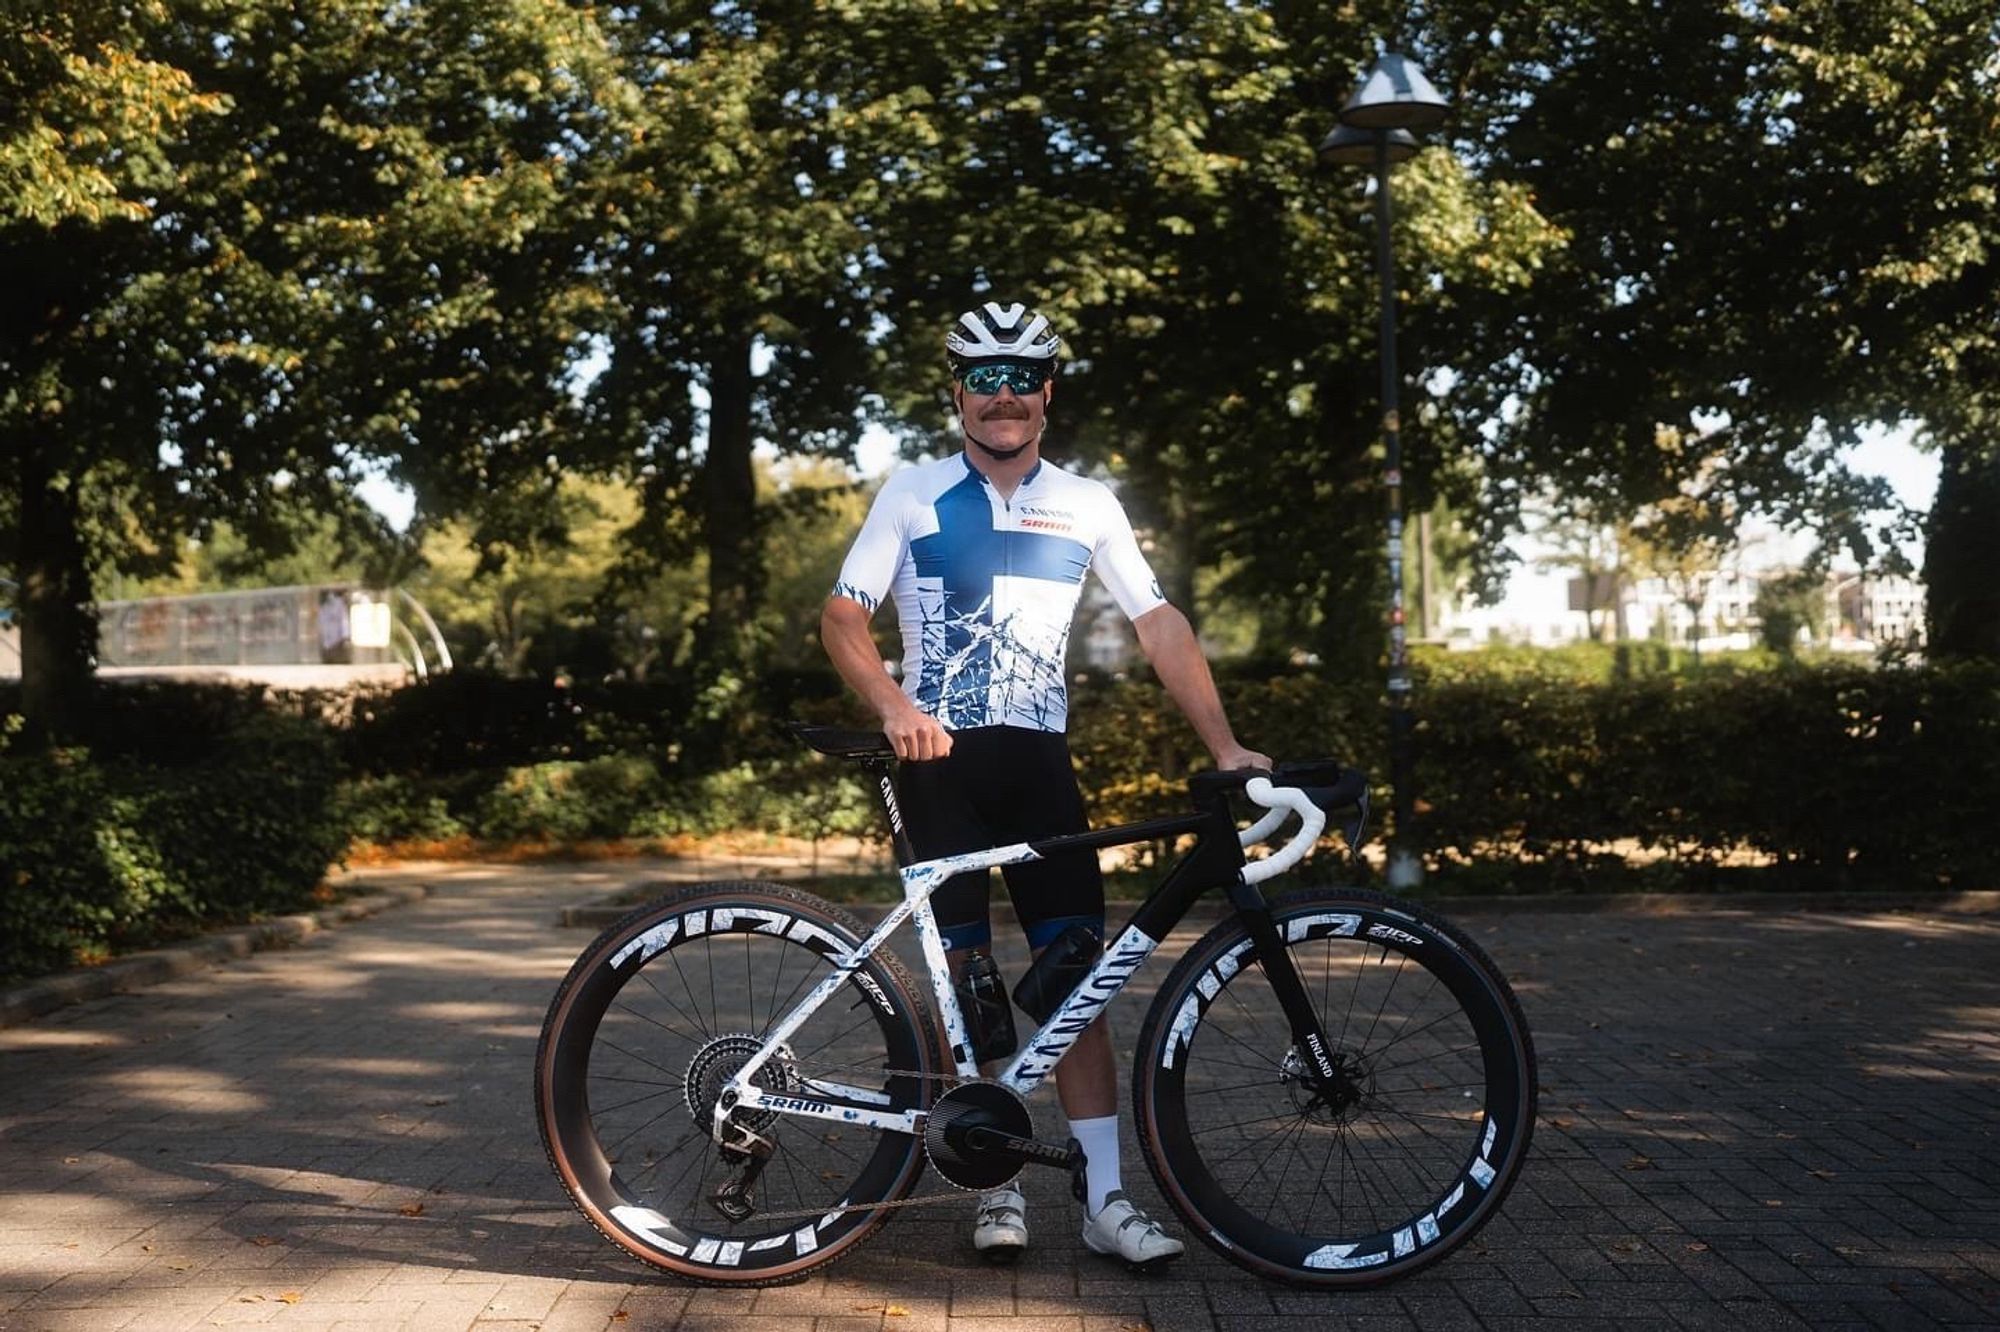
996 332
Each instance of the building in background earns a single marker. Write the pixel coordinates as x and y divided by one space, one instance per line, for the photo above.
308 637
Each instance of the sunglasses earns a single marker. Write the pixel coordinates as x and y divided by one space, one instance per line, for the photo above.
1021 376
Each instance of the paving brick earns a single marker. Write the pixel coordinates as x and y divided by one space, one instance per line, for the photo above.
1812 1100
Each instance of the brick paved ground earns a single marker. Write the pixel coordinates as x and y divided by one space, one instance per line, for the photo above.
1747 1122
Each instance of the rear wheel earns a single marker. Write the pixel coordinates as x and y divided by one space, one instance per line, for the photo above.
650 1025
1369 1185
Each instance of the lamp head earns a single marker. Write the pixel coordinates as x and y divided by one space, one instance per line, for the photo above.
1394 95
1348 146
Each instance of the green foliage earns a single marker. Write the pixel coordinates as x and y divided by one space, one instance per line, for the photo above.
1864 777
104 853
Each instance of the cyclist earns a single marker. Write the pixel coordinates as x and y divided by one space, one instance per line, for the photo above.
985 554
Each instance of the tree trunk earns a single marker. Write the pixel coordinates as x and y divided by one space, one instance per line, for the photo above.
729 507
58 619
1962 550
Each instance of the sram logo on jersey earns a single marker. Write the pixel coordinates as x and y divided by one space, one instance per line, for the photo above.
1041 518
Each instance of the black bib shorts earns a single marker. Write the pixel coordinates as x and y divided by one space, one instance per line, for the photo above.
1000 785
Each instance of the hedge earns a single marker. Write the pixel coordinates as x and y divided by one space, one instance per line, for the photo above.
105 851
202 803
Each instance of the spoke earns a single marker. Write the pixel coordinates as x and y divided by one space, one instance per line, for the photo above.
1278 1192
663 1157
674 956
1447 1015
616 1147
637 1100
1245 1123
1410 1157
693 1021
669 1028
708 956
798 1193
639 1082
865 1018
1250 1144
1228 1087
638 1058
1262 1060
1427 1058
777 980
1388 994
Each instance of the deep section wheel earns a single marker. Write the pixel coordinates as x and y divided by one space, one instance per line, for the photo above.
645 1034
1411 1152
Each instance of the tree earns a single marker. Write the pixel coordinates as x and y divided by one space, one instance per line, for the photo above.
1594 552
1781 225
740 310
253 251
1145 173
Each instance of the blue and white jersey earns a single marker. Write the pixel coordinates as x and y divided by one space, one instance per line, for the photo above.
985 588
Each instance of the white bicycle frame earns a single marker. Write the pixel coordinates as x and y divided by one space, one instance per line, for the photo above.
1046 1048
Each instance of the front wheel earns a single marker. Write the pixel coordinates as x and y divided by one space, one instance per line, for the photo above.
1355 1189
647 1030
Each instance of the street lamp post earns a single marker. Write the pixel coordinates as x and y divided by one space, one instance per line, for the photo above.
1375 127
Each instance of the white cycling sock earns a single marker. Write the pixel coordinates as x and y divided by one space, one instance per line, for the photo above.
1099 1140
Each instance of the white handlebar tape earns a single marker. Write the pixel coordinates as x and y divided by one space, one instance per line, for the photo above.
1283 800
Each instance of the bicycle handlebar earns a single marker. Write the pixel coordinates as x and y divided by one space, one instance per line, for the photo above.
1282 800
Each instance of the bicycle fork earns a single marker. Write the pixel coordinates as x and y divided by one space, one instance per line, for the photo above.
1329 1080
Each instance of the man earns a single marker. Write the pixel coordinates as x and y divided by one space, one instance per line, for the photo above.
985 554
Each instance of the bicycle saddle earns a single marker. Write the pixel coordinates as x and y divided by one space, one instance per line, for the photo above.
844 743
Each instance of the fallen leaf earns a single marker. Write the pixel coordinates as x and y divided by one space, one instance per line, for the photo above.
1625 1246
894 1311
1696 1246
145 1248
179 1267
411 1209
1640 1163
290 1296
1823 1174
71 1160
621 1315
265 1241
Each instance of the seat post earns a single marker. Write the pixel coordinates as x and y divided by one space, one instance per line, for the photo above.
899 836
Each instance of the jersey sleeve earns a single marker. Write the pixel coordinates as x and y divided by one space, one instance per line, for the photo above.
872 560
1122 566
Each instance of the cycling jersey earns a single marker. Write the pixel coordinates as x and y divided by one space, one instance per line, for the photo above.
986 587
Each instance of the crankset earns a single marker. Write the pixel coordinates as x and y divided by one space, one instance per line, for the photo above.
980 1134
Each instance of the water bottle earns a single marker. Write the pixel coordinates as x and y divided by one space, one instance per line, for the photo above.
1065 962
982 995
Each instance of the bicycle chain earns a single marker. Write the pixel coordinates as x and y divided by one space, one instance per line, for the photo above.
922 1199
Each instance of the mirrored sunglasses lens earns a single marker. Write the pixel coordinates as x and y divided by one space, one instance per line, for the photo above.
986 380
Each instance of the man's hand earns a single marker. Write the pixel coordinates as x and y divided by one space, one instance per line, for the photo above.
916 736
1230 758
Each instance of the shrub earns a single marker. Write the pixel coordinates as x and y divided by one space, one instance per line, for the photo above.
98 854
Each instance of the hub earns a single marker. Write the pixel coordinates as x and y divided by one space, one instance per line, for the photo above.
1353 1085
717 1062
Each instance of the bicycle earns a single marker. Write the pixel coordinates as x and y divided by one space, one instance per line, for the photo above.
1348 1120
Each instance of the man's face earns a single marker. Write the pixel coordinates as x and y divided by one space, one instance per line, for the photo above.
1003 417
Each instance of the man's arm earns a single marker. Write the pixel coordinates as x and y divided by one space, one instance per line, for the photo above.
1168 641
843 629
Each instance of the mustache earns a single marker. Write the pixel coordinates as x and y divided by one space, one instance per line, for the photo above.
1004 412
